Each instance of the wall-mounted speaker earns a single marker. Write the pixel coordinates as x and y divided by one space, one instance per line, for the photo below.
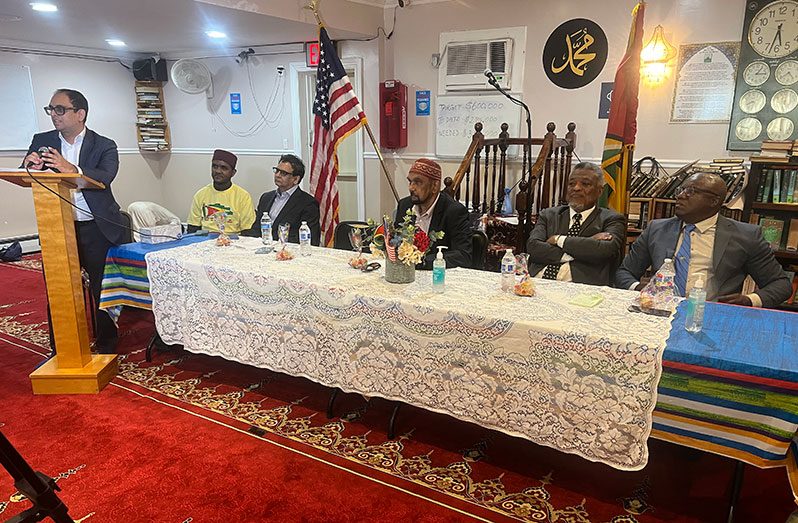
149 69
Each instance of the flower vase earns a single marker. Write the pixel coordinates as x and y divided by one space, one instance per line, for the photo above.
399 272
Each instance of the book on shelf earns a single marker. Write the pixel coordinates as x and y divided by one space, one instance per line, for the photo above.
772 230
792 236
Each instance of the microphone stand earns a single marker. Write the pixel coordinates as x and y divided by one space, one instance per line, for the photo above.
492 81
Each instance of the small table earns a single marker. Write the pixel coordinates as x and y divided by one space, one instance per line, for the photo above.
125 281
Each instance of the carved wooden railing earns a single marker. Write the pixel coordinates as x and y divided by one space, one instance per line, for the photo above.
486 171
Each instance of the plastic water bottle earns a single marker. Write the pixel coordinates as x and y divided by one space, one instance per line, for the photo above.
508 271
304 239
439 272
266 229
695 307
666 276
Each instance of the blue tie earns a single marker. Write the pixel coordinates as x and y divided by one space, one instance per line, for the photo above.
682 261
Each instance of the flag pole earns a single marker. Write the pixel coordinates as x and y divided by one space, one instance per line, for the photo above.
313 6
382 161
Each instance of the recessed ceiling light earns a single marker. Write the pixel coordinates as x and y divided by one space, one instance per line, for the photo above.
215 34
44 7
115 43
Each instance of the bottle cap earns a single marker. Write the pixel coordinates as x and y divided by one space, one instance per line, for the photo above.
304 223
667 260
508 251
699 284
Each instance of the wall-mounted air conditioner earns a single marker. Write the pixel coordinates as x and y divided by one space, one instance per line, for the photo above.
466 63
466 54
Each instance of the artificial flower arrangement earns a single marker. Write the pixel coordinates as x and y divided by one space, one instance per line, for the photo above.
401 241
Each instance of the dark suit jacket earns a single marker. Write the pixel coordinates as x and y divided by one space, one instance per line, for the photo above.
300 207
99 160
451 217
594 260
739 250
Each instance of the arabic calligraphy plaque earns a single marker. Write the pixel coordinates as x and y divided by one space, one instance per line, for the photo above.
575 53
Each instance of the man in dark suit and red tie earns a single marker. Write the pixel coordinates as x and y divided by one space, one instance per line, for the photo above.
578 242
72 147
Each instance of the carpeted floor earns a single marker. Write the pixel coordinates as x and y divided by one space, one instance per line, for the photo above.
195 438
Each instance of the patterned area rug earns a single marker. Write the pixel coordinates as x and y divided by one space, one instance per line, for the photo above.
469 471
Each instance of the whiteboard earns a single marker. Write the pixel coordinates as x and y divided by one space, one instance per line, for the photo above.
457 114
19 114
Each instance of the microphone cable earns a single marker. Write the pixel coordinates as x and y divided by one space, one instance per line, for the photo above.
27 169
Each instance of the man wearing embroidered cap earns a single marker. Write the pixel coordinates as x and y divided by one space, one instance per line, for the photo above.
222 196
437 211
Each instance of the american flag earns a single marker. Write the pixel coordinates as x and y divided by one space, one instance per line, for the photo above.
338 114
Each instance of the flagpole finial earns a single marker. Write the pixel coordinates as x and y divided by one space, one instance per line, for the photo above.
313 5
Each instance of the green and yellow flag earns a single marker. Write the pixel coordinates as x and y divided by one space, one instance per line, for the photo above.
622 123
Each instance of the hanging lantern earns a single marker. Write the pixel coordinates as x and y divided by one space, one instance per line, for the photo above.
655 58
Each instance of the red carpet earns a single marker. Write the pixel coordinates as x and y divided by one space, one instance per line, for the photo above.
169 441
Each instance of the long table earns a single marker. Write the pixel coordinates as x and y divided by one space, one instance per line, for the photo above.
730 390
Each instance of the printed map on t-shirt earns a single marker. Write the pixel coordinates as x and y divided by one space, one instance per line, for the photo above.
209 209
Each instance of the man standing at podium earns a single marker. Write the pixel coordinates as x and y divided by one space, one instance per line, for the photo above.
71 147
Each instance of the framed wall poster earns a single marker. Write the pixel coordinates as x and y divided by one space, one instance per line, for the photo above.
705 77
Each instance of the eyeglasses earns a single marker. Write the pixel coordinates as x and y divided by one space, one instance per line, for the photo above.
60 110
373 266
690 190
281 172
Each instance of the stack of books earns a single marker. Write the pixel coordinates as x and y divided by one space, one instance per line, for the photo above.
776 151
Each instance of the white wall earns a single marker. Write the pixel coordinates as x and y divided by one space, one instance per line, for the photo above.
109 89
171 179
685 21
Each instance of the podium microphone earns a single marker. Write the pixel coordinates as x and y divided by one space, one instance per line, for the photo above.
40 151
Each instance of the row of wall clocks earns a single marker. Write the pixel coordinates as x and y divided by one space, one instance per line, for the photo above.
766 94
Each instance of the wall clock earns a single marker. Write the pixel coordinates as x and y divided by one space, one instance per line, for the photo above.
765 97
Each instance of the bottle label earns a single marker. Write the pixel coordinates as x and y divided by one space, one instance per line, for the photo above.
438 275
304 236
508 267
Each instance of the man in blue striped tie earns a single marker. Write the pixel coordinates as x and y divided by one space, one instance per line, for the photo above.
707 246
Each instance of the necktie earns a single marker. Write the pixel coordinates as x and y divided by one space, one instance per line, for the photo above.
551 270
682 261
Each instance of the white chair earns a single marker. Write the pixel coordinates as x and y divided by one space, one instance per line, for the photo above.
149 214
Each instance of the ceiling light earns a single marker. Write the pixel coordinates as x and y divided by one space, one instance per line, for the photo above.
44 7
115 43
215 34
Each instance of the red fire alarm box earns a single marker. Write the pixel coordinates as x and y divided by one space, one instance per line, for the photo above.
393 114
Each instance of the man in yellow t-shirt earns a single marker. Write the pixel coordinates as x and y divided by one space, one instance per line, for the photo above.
222 196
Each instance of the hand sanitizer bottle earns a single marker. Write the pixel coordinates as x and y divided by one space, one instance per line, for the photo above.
439 271
695 307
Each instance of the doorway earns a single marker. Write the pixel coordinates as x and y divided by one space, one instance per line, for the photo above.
351 197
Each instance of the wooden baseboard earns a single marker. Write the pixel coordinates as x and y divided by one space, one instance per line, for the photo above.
91 379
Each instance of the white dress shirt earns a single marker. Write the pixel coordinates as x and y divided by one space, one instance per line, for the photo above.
424 219
564 274
71 153
280 199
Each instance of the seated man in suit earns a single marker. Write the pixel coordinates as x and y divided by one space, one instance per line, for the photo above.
437 211
289 203
222 196
703 244
578 242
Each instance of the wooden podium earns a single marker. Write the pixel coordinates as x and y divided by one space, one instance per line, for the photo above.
74 370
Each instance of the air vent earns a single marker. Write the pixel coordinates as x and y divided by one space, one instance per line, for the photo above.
467 59
466 63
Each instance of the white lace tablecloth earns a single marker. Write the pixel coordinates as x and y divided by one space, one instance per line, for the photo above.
581 380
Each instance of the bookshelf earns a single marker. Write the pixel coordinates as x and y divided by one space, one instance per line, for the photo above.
653 193
152 128
771 200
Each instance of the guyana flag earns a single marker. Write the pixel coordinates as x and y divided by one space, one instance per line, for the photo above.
622 124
